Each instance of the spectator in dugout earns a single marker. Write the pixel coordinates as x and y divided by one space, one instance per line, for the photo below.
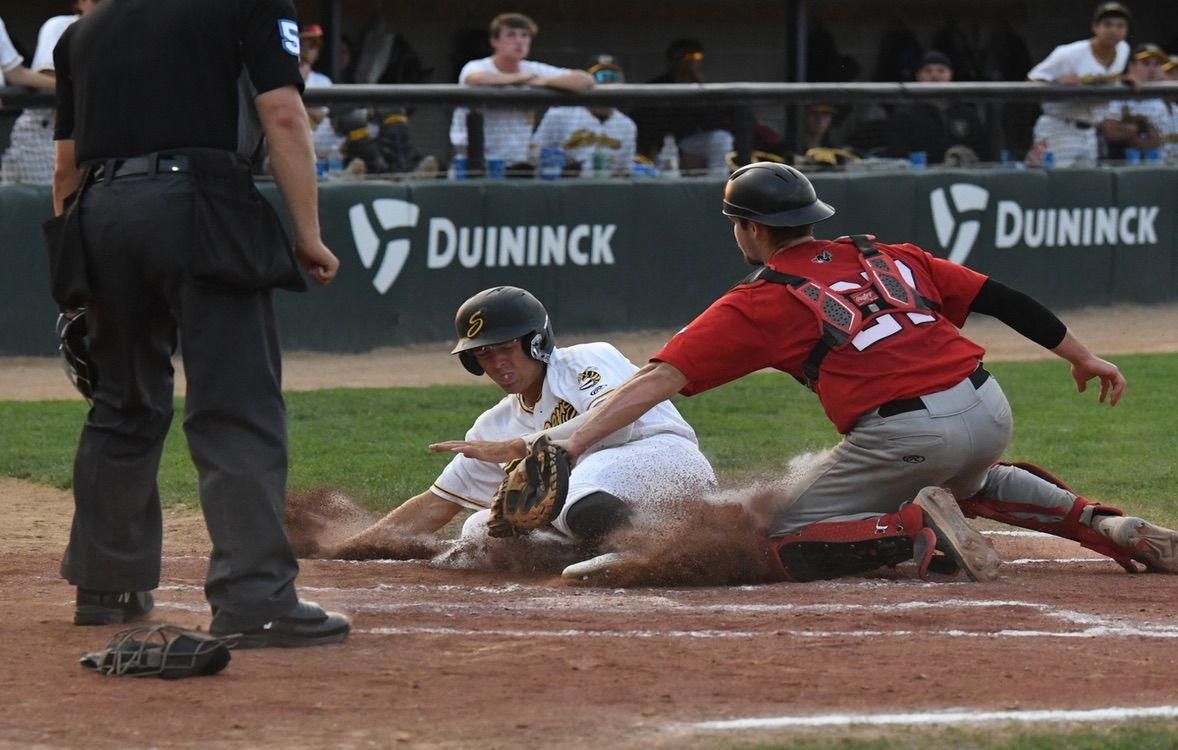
597 141
323 135
1067 129
947 131
12 66
507 131
703 133
30 156
1141 124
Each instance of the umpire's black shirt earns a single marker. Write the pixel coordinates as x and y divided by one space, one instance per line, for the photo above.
142 76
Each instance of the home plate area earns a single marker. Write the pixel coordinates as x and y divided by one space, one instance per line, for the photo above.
454 658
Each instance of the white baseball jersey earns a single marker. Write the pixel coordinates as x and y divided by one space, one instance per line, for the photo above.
578 132
30 156
660 461
9 57
1077 59
1156 110
323 135
506 130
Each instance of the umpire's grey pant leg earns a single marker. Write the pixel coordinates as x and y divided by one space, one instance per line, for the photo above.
235 421
115 538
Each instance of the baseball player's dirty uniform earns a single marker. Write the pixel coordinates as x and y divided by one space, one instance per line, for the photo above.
506 130
1069 128
29 158
893 445
578 132
661 460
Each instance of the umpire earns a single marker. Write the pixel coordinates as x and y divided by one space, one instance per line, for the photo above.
162 107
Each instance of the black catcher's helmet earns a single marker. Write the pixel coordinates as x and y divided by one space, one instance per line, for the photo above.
499 314
773 194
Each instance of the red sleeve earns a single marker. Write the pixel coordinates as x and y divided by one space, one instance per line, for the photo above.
953 286
748 329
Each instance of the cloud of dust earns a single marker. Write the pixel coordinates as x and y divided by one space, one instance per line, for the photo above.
716 540
324 522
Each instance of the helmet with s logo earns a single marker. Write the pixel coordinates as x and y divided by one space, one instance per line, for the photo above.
500 314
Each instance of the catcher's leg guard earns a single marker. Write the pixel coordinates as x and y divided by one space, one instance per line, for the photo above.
592 517
1074 521
832 549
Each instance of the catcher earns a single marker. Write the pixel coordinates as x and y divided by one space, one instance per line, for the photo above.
505 333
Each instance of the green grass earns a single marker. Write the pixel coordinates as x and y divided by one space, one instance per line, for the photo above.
1148 735
371 443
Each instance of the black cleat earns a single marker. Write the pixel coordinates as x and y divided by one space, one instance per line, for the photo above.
305 625
112 607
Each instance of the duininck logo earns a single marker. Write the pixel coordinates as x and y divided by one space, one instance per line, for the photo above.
955 217
390 214
958 219
382 224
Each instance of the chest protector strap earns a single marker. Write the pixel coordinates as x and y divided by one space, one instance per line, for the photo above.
842 314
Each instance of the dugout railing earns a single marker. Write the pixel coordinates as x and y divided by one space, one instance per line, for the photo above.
1007 107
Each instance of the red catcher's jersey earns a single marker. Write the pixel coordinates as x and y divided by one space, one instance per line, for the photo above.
899 355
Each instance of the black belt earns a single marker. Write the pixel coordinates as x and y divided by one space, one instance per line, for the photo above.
905 405
140 165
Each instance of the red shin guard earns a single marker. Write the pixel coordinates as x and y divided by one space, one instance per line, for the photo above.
1068 525
833 549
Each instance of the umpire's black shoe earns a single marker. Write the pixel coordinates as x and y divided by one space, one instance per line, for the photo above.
112 607
305 625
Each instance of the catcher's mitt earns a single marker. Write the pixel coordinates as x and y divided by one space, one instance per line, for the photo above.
71 342
533 492
164 650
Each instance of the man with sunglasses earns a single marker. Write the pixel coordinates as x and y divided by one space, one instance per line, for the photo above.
1141 124
505 333
703 133
596 141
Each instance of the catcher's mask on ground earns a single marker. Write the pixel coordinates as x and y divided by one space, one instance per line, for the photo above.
501 314
775 195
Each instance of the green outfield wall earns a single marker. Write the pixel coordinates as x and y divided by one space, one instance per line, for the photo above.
610 255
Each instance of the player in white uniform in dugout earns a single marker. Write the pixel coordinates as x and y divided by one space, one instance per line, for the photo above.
505 333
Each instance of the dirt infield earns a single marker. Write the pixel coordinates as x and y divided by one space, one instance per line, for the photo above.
446 659
454 659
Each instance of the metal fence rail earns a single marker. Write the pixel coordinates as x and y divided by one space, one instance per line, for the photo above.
745 100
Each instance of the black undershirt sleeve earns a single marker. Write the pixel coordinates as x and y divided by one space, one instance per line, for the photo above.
1021 312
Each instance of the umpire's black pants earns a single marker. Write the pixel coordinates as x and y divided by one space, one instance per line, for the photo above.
138 233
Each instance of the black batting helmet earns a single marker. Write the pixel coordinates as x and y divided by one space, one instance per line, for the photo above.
500 314
773 194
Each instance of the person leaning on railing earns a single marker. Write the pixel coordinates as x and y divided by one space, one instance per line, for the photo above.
12 66
1067 130
1141 125
507 130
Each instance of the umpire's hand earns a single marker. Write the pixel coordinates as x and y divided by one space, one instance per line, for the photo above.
318 261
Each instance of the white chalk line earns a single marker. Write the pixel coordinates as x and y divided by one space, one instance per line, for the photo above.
1091 632
945 717
589 603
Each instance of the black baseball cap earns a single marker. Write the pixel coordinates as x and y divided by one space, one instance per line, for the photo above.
1105 10
1147 50
933 57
